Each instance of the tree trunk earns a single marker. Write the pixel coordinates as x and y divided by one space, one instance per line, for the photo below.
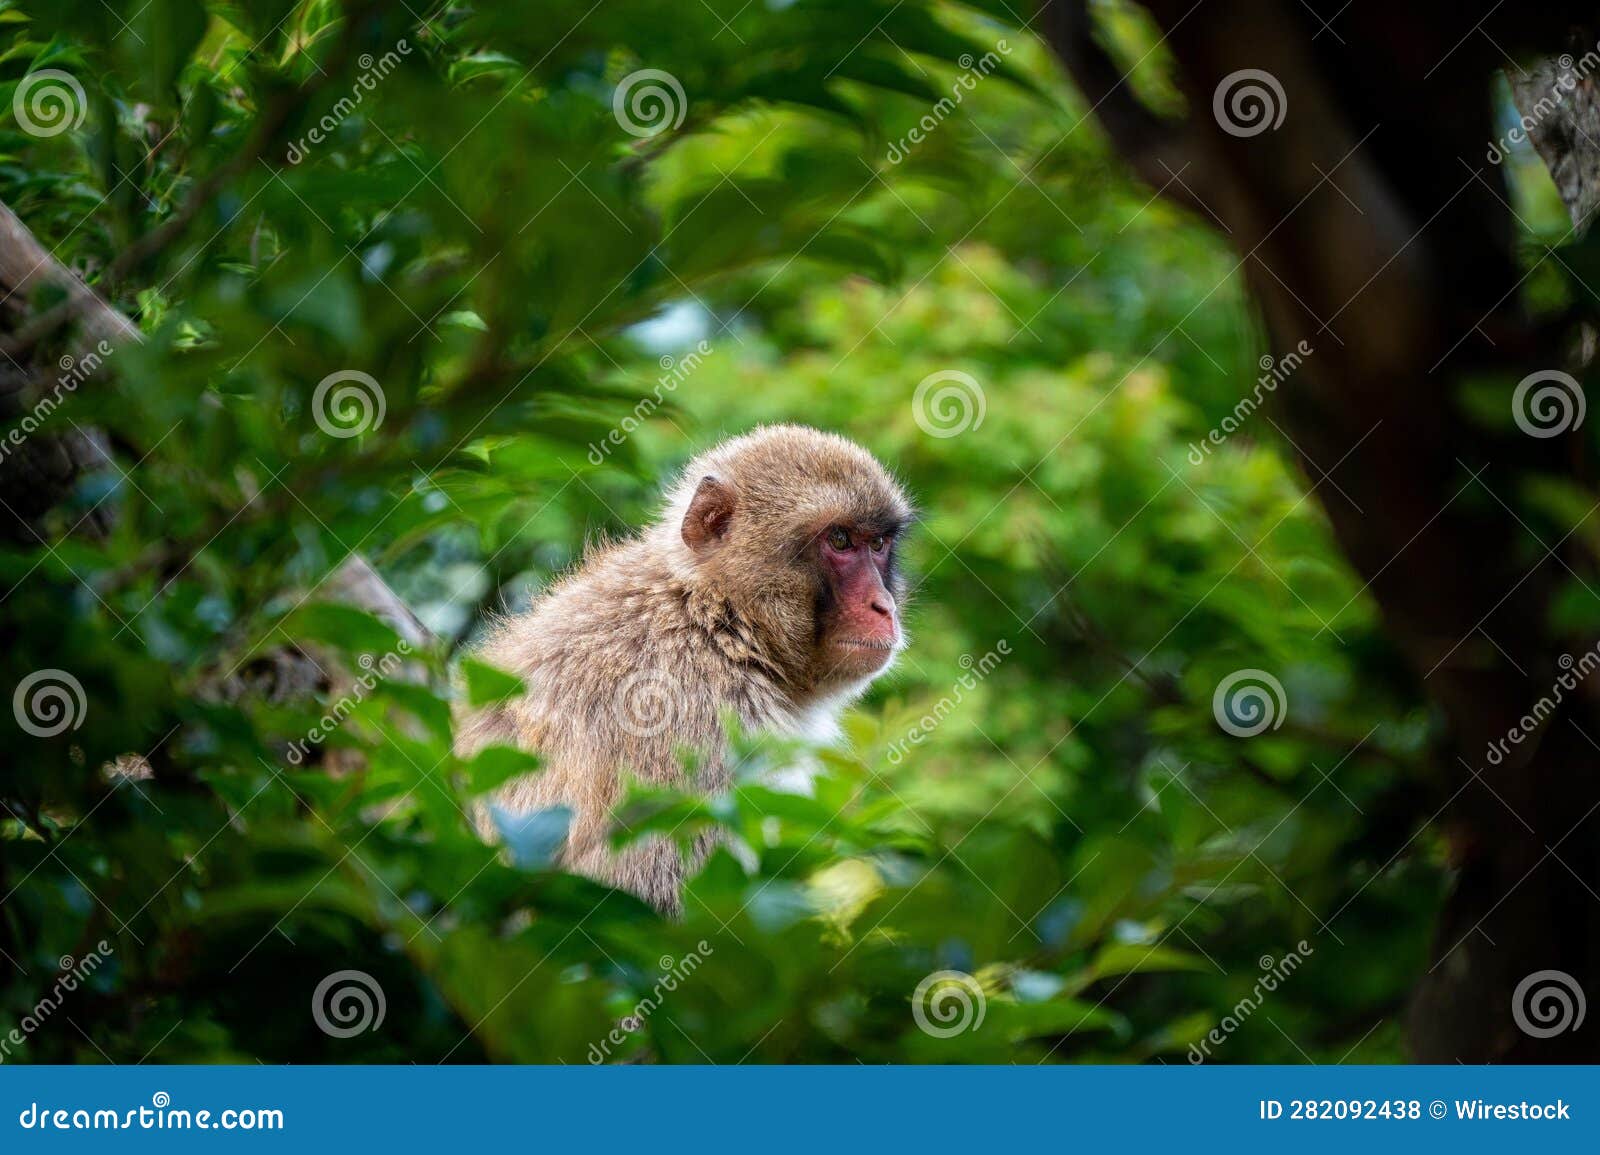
1372 227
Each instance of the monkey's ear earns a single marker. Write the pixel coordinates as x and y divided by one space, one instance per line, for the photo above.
709 513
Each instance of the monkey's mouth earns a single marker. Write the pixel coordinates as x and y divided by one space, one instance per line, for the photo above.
864 644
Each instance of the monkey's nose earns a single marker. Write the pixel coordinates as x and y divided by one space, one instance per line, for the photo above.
884 605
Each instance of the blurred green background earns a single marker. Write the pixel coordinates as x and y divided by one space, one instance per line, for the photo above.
480 232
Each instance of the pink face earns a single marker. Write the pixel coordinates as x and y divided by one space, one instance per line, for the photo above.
861 626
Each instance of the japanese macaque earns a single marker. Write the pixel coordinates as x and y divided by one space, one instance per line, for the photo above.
768 589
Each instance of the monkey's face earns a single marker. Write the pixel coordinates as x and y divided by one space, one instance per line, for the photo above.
858 613
798 530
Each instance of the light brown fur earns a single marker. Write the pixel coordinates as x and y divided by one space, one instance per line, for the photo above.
644 647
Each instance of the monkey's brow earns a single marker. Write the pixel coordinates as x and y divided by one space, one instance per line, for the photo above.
870 522
887 521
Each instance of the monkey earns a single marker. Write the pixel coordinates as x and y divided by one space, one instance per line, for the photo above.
769 589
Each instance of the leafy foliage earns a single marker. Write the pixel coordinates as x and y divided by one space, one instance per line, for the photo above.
1041 796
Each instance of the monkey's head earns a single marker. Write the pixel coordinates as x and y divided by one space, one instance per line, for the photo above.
798 532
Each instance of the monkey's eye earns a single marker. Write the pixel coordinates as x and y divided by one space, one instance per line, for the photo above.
877 544
839 539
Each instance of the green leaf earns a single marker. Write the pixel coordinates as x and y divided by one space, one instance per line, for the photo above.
1127 958
1058 1016
487 686
494 766
342 627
